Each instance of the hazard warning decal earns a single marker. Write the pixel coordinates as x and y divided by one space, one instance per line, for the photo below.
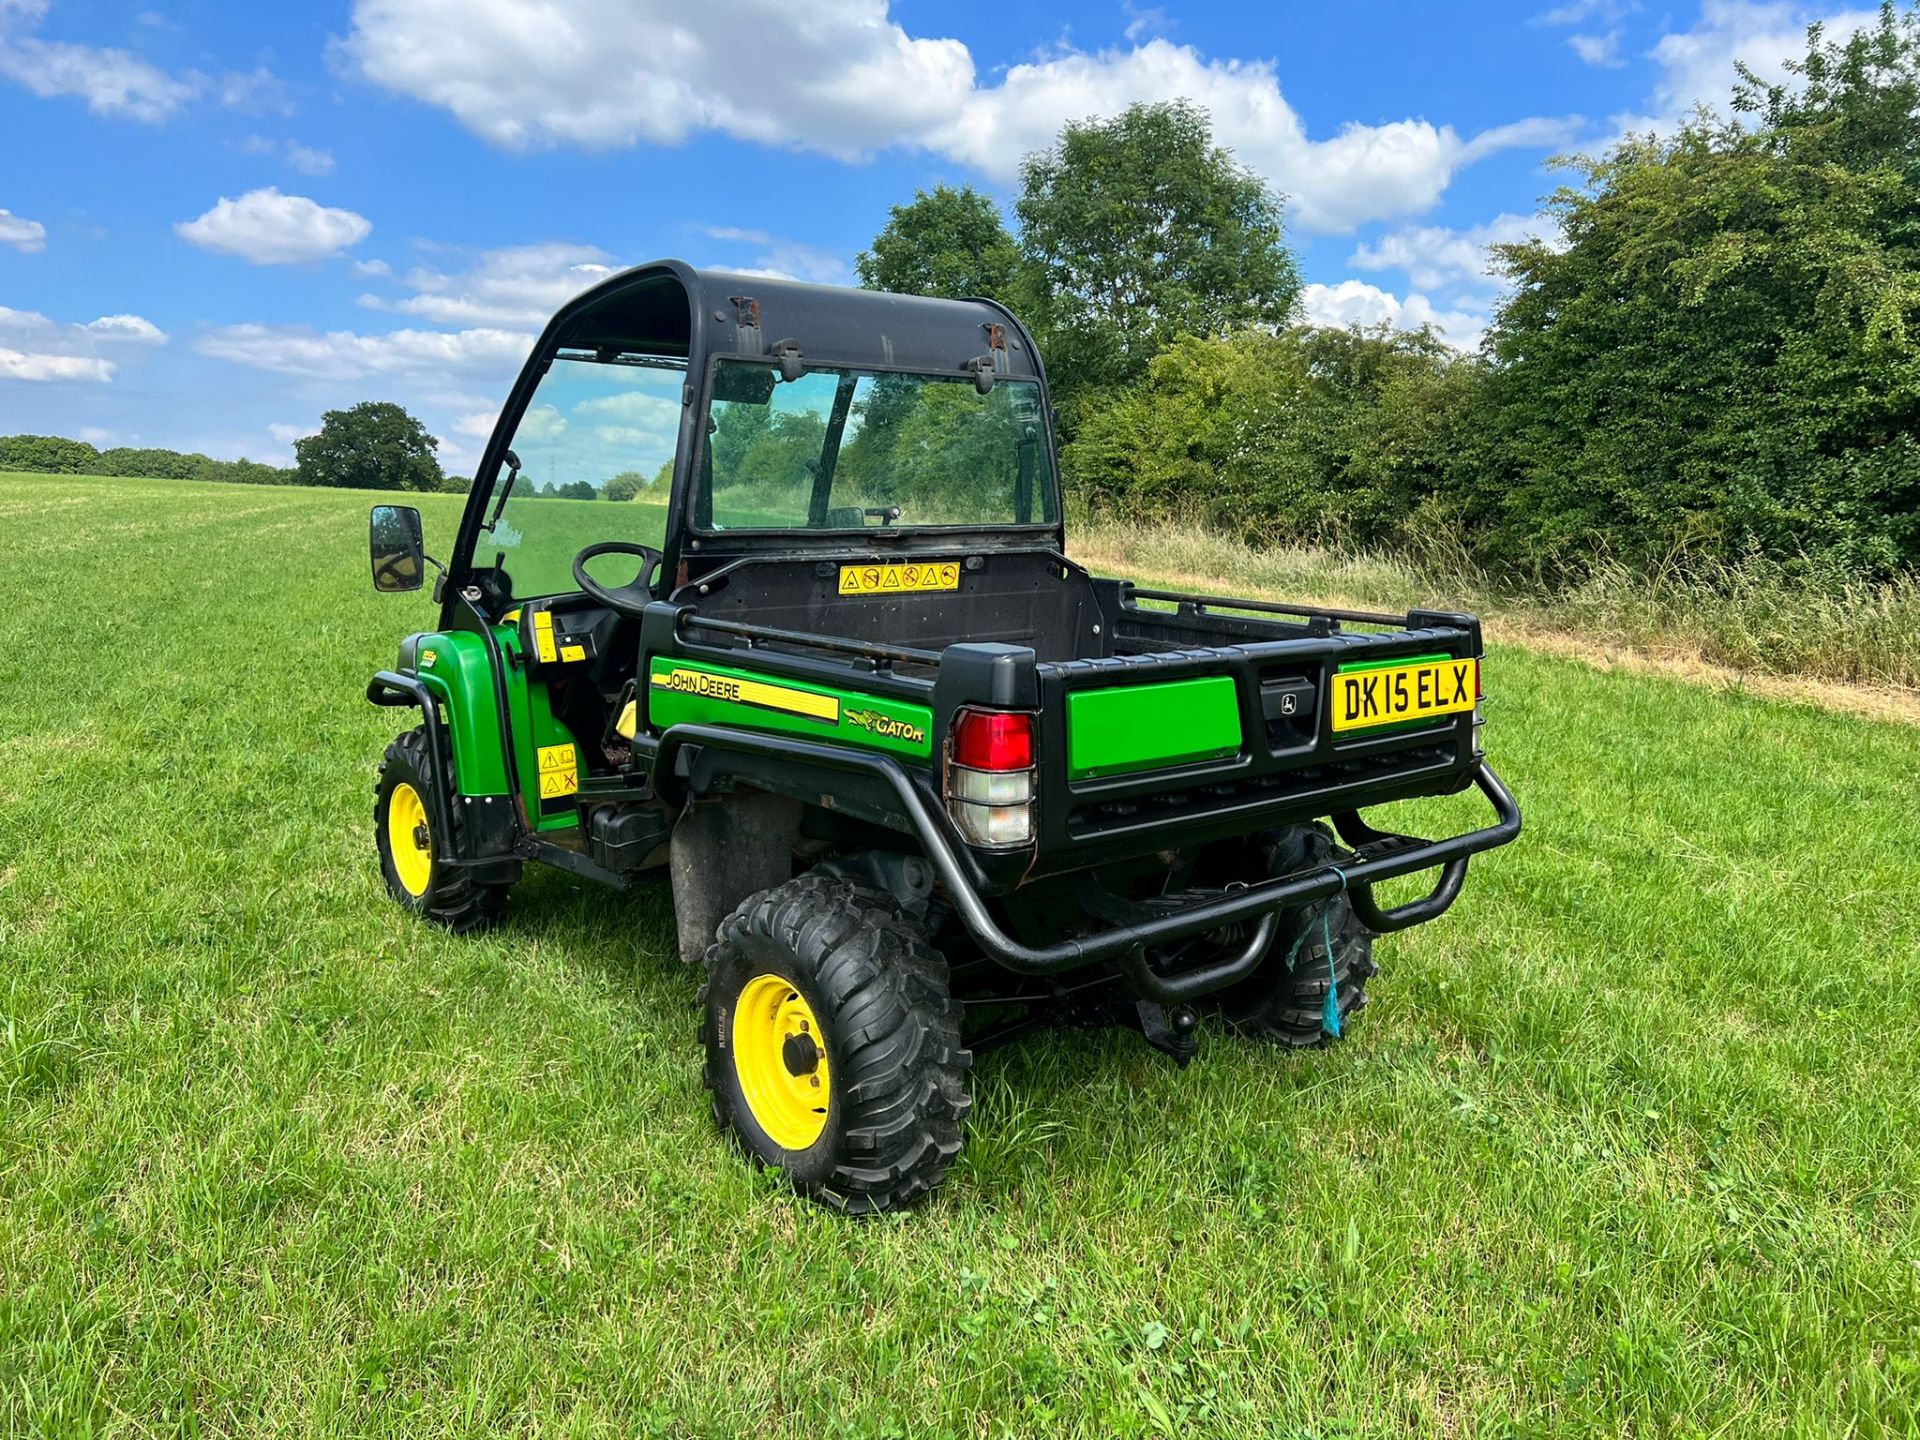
559 771
899 577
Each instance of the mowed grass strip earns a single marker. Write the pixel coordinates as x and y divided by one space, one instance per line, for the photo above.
1624 1145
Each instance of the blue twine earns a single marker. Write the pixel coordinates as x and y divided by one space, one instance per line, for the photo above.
1330 1010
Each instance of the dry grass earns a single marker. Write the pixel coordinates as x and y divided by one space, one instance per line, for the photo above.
1751 624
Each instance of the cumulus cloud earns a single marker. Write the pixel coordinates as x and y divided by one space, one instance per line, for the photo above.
287 434
520 285
843 78
21 233
113 81
1434 257
782 259
33 347
268 228
1697 66
307 159
1602 51
345 355
1354 302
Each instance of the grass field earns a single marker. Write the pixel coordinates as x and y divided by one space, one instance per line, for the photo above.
1625 1145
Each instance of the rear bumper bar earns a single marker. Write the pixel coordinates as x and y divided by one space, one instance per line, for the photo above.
1126 946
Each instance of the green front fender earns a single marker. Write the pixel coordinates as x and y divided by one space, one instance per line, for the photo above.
455 668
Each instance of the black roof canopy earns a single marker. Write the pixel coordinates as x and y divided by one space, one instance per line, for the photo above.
668 307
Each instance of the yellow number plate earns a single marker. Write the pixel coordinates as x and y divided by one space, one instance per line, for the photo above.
897 578
1395 694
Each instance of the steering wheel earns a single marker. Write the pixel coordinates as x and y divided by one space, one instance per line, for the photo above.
629 599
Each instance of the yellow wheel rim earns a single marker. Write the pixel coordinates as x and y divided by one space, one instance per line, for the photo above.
781 1059
408 839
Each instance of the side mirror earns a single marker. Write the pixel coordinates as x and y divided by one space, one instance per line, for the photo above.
399 552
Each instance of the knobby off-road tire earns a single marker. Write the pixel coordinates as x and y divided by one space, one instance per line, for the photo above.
823 958
1288 1006
416 875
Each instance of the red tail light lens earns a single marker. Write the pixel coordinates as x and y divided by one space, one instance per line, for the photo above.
992 740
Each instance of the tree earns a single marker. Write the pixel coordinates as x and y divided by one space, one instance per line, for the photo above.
49 454
1139 229
950 243
1725 354
374 446
625 486
1301 435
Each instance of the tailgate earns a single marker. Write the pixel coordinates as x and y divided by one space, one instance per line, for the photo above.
1149 751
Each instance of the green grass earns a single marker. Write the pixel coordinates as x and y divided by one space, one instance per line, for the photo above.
1625 1145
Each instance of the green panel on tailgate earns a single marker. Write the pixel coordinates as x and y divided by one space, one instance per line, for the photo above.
1126 728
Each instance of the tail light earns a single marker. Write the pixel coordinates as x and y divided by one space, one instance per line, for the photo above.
990 777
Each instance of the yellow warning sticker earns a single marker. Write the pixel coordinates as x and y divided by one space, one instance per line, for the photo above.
748 692
543 635
559 771
571 653
899 577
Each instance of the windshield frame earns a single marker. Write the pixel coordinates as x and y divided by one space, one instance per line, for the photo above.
749 537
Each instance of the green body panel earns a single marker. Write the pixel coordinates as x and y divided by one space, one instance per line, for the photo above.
730 696
1128 728
453 666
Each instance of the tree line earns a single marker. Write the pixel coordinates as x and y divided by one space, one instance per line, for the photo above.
1718 356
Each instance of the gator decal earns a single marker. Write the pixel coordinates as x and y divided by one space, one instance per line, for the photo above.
887 726
898 577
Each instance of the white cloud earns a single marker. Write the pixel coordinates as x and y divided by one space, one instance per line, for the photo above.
305 158
841 77
1354 302
33 347
21 233
344 355
1697 65
1602 51
1434 257
782 259
520 285
268 228
27 365
114 81
478 425
134 328
379 268
287 434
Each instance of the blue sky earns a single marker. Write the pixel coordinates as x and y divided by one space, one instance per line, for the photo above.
218 219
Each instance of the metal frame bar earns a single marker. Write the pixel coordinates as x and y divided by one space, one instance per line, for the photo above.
1125 946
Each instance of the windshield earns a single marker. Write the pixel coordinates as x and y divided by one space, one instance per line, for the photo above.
596 449
845 449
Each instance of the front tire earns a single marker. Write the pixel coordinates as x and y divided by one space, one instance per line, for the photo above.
413 856
833 1045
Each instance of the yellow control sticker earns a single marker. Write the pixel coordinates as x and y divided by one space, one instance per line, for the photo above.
749 692
543 636
571 653
899 577
559 771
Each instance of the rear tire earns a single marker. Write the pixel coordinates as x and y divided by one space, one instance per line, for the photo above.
1287 1005
822 980
413 856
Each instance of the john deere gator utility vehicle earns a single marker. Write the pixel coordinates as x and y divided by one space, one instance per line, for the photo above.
764 586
